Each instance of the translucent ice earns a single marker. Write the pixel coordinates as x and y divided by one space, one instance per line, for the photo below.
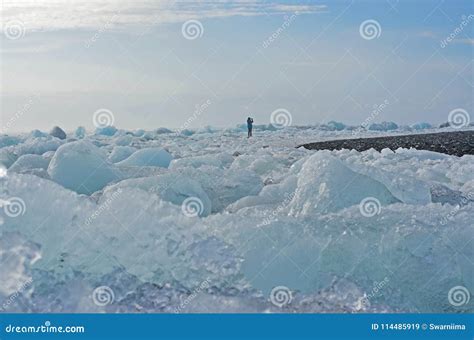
82 167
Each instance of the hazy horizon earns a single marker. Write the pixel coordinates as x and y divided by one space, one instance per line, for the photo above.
320 61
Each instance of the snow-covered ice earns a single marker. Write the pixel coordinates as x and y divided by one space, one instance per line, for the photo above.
210 221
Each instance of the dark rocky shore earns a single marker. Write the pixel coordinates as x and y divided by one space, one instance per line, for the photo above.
456 143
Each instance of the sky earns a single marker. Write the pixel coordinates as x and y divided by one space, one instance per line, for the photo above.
155 64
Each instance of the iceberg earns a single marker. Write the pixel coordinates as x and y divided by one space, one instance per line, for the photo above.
217 221
28 162
326 185
82 167
119 153
148 157
384 126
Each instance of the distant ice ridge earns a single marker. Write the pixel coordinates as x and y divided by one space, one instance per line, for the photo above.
269 215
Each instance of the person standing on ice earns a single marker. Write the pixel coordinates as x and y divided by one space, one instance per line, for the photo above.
249 127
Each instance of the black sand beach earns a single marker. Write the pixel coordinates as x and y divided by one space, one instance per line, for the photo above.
457 143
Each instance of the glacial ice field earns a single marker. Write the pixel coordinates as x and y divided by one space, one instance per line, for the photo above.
211 221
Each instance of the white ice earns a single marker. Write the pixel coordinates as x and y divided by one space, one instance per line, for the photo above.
109 212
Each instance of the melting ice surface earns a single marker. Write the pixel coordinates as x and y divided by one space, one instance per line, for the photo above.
102 210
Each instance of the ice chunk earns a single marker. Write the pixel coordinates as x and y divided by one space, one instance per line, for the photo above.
119 153
148 157
58 132
220 160
384 126
270 195
444 195
82 167
8 140
28 162
150 238
162 130
224 186
37 146
106 130
262 164
17 255
174 188
36 134
387 168
80 132
421 126
123 140
187 132
7 157
139 133
335 126
325 185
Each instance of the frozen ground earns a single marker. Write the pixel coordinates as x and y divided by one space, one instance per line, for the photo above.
210 221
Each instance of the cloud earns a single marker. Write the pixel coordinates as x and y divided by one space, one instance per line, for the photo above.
464 41
427 34
46 15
